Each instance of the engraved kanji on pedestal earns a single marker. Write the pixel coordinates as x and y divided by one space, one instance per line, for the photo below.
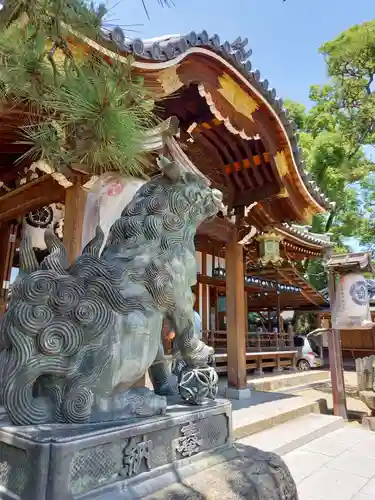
133 455
190 442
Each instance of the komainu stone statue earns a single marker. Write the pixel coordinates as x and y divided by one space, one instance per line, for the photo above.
76 338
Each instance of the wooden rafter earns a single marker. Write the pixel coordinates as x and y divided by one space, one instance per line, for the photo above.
309 297
290 276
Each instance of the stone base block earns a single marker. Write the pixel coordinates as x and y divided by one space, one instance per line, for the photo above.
277 371
368 397
139 459
369 423
232 393
111 460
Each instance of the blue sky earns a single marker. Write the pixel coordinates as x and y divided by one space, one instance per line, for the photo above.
284 36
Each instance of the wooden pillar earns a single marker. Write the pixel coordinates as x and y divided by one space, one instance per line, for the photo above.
294 362
204 294
210 309
217 309
269 320
75 204
278 312
290 332
335 358
8 235
277 368
246 307
197 298
235 303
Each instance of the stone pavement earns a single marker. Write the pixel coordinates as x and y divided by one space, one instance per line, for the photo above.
338 466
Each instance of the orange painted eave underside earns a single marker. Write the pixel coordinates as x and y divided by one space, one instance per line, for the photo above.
238 122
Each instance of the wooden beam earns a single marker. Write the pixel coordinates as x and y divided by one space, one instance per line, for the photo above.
218 229
75 204
8 236
245 198
30 197
235 301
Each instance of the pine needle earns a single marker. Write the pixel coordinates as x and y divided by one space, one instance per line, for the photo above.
87 111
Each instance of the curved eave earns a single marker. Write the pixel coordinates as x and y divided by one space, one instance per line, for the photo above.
311 193
157 56
303 238
299 241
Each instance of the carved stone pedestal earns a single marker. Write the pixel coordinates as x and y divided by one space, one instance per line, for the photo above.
137 460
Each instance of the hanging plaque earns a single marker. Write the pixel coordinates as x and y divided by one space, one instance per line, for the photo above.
351 308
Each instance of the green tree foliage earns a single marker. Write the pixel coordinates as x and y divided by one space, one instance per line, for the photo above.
367 226
328 156
335 130
351 63
83 110
333 134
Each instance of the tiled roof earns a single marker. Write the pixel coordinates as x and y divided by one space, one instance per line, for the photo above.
352 261
316 239
171 46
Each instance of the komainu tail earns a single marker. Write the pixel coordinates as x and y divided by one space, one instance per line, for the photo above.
51 334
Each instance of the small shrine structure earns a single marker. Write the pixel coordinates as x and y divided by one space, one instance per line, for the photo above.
355 343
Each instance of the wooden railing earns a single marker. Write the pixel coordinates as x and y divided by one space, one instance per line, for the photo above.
256 342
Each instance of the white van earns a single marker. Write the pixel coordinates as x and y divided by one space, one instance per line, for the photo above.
308 352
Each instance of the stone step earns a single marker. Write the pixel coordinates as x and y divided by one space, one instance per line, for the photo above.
256 414
287 437
310 385
285 380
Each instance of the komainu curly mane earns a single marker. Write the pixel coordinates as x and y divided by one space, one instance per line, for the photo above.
75 339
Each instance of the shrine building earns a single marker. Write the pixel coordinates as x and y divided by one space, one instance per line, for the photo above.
220 118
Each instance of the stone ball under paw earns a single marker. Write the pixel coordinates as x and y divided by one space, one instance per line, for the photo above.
198 384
